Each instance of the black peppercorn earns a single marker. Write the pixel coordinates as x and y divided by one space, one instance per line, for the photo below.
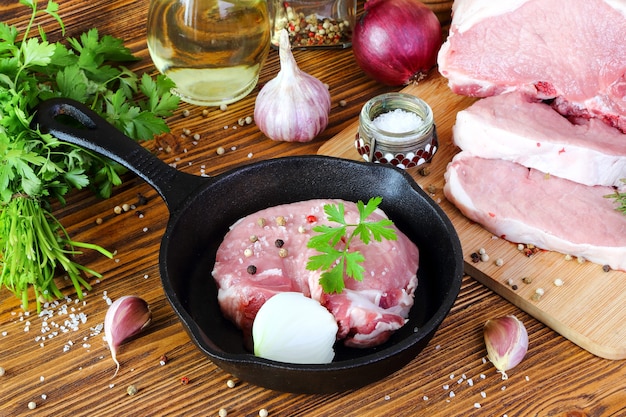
251 269
279 243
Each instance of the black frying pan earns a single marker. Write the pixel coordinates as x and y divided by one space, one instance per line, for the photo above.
201 210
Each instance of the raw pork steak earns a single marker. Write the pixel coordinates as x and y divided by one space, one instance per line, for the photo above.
514 128
572 51
526 206
367 312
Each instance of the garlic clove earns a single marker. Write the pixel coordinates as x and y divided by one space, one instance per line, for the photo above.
294 106
506 340
126 317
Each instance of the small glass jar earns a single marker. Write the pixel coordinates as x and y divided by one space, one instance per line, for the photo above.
313 23
413 139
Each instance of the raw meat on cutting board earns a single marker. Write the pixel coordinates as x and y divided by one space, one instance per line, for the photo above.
515 128
527 206
367 312
570 51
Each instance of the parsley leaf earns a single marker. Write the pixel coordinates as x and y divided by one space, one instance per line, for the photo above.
338 263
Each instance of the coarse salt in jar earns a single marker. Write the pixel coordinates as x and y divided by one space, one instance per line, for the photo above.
397 129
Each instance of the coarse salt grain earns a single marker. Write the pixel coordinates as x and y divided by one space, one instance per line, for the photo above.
398 121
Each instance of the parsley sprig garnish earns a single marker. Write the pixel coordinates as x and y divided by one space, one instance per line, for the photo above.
337 261
36 168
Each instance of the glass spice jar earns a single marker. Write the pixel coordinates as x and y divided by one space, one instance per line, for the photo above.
313 23
408 136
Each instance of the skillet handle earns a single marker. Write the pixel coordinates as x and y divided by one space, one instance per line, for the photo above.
96 134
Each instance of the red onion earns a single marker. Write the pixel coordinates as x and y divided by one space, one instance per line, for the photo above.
396 41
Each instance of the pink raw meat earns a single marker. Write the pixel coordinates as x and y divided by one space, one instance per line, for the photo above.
514 128
568 51
527 206
367 312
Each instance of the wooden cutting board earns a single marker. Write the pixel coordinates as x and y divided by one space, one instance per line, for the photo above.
589 308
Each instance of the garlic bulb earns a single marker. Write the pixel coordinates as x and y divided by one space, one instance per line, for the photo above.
506 340
294 106
125 318
290 327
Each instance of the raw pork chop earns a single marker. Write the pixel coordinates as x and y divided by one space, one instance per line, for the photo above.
511 127
571 51
367 312
526 206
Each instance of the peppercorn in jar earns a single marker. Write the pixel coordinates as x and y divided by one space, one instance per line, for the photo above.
313 23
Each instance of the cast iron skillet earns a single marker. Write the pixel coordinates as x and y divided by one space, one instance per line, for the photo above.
201 210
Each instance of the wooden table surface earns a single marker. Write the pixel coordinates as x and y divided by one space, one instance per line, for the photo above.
70 373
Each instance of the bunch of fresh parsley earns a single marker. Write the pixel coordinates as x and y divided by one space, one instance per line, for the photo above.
337 261
36 168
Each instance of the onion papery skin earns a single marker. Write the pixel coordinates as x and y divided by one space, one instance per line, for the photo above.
396 42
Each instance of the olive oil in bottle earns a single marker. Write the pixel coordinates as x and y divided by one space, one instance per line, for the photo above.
212 49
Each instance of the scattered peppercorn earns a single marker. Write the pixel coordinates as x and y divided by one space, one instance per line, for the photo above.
2 371
185 113
131 390
279 243
251 269
223 107
205 112
263 412
230 383
253 238
222 413
32 405
261 222
431 189
527 280
283 253
606 268
514 287
424 171
141 199
343 103
475 257
163 360
125 207
247 252
184 380
99 220
281 221
117 209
